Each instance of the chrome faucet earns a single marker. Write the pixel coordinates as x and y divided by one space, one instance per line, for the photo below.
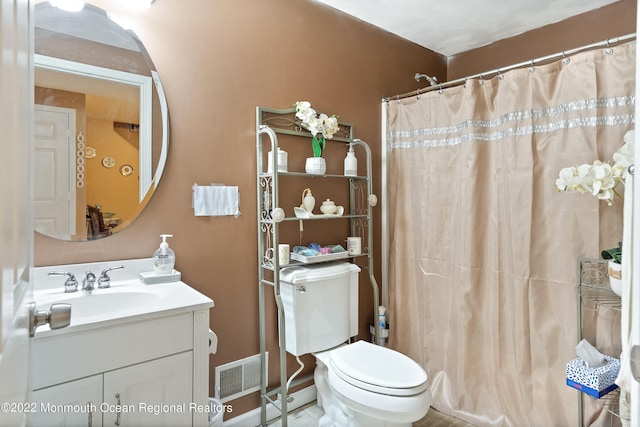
71 284
89 281
104 281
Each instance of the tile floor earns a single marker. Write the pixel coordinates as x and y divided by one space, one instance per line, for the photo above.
438 419
309 415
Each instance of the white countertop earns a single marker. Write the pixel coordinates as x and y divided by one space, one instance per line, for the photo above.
128 299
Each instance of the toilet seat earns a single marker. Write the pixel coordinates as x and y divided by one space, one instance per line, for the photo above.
378 369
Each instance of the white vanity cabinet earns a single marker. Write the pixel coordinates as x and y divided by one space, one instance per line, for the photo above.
149 393
84 395
142 370
155 391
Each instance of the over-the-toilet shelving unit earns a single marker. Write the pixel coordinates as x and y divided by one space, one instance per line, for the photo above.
595 293
269 124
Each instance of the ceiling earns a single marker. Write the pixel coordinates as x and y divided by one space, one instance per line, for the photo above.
449 27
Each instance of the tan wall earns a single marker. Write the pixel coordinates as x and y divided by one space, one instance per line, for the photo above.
108 187
218 60
614 20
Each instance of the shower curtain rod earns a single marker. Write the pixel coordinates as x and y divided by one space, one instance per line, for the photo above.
605 43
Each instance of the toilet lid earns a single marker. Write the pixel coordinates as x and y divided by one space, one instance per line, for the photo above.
378 369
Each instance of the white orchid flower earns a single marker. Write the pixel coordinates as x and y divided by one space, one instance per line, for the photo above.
316 124
572 179
600 178
623 158
630 136
330 127
306 114
624 154
606 195
600 170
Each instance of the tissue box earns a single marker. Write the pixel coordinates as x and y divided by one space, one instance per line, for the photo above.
595 382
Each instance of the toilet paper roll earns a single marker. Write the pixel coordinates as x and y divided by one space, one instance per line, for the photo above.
213 342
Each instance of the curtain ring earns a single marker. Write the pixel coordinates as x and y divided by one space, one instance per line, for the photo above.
500 76
532 69
565 59
481 81
440 90
398 99
464 85
417 93
608 50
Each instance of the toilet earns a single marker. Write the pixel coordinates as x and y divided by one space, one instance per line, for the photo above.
359 384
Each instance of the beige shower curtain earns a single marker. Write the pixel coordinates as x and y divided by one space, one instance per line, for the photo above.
483 248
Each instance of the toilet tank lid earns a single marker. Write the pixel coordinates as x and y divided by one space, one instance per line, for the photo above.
313 273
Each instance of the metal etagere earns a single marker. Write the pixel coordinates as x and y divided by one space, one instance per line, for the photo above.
594 293
269 124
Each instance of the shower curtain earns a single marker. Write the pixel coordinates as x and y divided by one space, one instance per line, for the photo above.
482 246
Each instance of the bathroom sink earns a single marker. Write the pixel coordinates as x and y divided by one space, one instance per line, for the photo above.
116 301
127 297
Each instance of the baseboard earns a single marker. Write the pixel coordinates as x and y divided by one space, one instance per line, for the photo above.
252 418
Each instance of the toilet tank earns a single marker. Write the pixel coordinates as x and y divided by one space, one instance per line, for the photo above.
320 305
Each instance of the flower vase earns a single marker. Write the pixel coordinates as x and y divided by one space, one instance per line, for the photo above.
315 166
615 277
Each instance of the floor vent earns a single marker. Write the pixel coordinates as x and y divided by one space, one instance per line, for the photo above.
238 378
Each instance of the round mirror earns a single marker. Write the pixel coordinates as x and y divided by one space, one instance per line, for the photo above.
101 124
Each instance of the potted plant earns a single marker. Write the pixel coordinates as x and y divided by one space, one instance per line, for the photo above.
321 126
601 179
614 267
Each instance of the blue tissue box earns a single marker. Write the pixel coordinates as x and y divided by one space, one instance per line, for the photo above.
595 382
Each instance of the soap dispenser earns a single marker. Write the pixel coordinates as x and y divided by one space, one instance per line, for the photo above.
350 162
164 258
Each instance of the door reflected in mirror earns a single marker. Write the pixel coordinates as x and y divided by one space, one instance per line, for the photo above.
100 125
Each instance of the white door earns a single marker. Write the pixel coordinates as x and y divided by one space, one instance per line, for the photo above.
54 160
16 212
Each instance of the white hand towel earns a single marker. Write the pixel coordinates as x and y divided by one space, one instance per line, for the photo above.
216 200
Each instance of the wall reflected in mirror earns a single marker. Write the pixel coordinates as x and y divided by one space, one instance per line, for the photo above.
101 124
